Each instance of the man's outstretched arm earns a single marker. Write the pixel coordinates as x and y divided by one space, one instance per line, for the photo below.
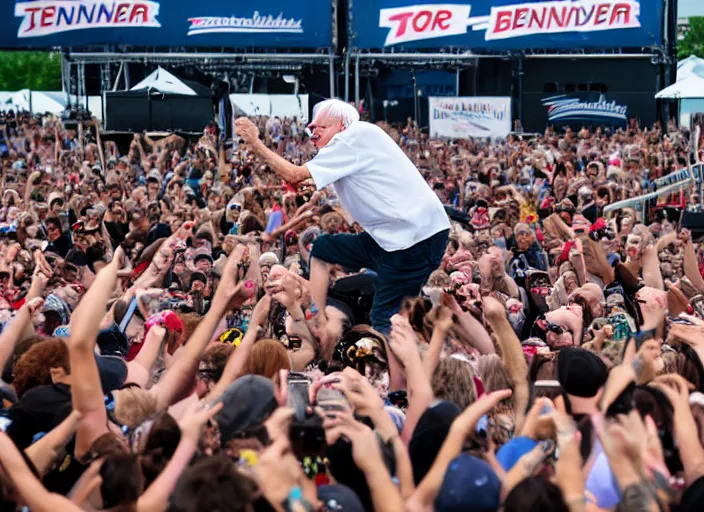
292 173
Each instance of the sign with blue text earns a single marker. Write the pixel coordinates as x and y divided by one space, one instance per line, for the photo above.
154 23
470 117
507 24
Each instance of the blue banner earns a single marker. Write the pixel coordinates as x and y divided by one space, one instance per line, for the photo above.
506 24
166 23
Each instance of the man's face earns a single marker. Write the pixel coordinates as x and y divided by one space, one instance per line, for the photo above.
265 269
203 265
324 129
152 188
524 239
633 246
53 232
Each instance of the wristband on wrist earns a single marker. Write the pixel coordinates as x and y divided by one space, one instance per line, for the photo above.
295 501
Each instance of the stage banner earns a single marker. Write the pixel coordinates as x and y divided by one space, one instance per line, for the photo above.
506 24
165 23
462 118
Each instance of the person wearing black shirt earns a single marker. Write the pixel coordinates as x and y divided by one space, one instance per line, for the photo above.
59 242
116 223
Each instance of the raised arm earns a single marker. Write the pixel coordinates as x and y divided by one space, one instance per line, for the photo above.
420 392
35 495
286 170
691 267
139 370
441 326
235 364
651 268
179 377
464 425
512 355
292 224
470 330
86 390
13 331
155 498
44 452
30 186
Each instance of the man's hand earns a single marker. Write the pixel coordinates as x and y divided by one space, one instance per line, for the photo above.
247 130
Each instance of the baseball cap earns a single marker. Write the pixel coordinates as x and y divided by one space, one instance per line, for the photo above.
429 436
470 485
247 402
203 256
580 372
339 497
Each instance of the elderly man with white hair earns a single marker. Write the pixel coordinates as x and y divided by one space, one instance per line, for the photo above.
405 224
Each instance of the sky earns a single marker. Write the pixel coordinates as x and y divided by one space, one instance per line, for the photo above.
688 8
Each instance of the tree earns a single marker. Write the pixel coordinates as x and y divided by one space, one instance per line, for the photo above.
693 42
40 71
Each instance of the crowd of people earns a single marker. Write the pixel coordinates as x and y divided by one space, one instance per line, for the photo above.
347 317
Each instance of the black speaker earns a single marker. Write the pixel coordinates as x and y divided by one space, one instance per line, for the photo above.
693 221
154 111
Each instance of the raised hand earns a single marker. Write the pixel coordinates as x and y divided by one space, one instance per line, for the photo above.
403 340
195 418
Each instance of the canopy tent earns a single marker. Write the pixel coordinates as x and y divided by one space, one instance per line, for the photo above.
691 66
689 88
165 82
41 102
36 101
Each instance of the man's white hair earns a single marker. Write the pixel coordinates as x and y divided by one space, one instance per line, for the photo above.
336 109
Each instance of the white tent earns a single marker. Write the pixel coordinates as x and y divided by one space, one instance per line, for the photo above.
36 101
691 66
689 88
163 81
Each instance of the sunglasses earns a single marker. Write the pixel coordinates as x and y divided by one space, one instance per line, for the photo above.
548 326
210 375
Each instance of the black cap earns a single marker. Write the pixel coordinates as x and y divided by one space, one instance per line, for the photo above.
580 372
198 276
429 436
248 402
203 256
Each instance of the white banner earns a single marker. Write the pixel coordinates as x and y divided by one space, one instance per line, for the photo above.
462 118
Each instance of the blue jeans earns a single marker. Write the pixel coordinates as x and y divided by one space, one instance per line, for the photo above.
401 274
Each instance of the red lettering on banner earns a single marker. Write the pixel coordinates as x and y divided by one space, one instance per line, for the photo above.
403 22
428 17
31 11
441 20
47 16
517 21
503 21
602 14
618 10
121 13
538 22
554 16
50 17
140 10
